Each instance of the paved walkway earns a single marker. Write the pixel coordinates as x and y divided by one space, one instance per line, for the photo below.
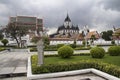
16 62
12 63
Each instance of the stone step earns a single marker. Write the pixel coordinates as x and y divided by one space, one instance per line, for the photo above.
12 72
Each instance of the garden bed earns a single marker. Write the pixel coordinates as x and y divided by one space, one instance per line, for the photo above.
57 64
101 66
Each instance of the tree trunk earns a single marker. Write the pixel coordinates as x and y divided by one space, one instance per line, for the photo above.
17 41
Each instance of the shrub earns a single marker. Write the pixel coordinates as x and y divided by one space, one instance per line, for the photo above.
73 45
59 45
113 42
83 42
33 49
83 48
4 41
97 52
65 51
83 64
114 50
50 48
2 49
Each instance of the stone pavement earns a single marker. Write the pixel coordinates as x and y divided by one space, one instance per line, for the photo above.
13 63
15 78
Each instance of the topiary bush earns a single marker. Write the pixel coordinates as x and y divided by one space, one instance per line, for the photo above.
65 51
97 52
113 42
114 50
4 41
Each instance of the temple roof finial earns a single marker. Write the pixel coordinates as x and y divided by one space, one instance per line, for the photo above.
67 18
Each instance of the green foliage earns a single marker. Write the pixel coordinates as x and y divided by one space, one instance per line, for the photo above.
50 48
46 40
106 35
69 66
2 49
83 48
16 32
97 52
114 50
73 45
4 41
83 42
92 39
35 39
59 45
1 36
33 49
65 51
113 42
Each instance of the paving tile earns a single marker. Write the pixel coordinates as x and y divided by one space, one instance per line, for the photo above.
20 70
6 70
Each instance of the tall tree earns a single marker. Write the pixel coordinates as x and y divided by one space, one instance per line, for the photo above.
16 32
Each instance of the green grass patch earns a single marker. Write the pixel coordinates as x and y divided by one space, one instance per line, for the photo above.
57 64
55 59
108 59
108 64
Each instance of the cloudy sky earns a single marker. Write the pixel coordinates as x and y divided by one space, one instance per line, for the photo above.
97 14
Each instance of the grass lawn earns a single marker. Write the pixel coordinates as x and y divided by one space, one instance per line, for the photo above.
107 59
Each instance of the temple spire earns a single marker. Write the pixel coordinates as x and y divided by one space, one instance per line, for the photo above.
67 18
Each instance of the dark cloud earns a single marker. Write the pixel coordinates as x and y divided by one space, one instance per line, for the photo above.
111 4
94 13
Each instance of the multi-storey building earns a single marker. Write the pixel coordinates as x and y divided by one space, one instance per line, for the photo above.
33 24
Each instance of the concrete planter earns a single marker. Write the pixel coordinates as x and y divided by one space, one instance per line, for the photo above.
31 76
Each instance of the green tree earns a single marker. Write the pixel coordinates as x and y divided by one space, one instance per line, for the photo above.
4 41
16 32
35 39
1 36
46 40
107 35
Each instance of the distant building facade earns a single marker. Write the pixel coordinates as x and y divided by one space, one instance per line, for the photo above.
33 24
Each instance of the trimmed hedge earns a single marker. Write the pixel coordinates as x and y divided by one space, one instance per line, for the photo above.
59 45
114 50
83 64
97 52
78 54
2 49
82 48
65 51
34 49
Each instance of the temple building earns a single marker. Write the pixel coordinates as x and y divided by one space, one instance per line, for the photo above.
67 30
